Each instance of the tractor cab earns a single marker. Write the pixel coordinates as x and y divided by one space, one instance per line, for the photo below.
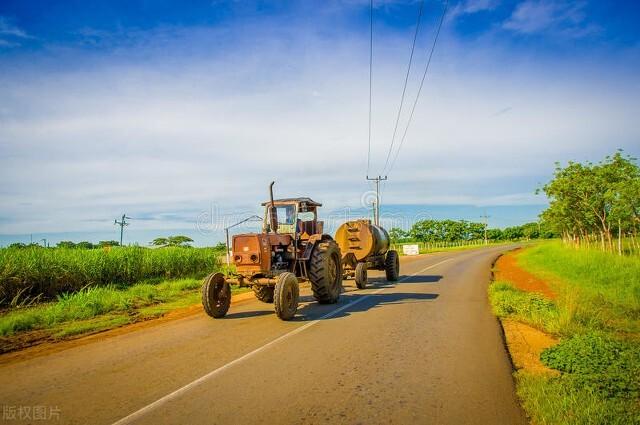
297 217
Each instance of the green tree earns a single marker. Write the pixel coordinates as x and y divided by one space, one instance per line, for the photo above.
66 244
179 240
396 234
103 244
160 242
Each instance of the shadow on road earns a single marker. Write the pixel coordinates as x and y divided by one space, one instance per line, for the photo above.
361 302
421 279
246 314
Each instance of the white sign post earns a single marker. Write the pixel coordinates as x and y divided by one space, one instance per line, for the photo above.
410 249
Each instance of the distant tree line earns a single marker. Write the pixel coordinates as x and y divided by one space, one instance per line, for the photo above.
462 230
68 244
593 204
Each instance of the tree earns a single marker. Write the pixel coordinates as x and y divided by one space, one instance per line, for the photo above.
66 244
396 234
103 244
593 201
179 240
85 245
220 246
160 242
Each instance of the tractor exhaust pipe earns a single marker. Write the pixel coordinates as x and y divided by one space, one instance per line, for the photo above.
273 216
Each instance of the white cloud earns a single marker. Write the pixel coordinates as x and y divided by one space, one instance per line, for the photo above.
173 125
10 33
554 17
469 7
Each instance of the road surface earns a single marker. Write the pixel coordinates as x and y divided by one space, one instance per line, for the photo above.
423 350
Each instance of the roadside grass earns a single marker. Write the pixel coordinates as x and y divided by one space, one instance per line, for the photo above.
527 307
608 285
99 308
596 315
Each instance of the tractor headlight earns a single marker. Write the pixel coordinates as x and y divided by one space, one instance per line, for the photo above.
237 258
254 258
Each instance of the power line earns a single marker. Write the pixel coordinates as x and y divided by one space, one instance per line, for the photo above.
370 79
406 80
424 75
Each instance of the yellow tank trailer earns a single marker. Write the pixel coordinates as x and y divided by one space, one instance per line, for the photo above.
366 246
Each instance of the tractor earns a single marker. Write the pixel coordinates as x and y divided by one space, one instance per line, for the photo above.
291 248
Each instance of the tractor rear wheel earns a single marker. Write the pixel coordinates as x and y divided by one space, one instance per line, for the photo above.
263 293
392 266
361 275
216 295
325 272
286 296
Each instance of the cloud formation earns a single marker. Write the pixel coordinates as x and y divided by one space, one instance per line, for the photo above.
170 121
553 17
10 34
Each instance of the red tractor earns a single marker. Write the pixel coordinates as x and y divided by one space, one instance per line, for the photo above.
290 249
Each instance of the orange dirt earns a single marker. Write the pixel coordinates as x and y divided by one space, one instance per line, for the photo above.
507 269
525 345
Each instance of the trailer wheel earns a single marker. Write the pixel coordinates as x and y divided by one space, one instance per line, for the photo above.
325 272
361 275
286 295
263 293
392 266
216 295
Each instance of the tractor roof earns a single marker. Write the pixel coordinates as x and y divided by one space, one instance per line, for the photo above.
288 201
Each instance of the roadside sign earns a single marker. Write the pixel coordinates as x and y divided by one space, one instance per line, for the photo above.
410 249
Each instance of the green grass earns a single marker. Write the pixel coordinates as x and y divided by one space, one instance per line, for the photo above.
608 277
43 273
561 400
528 307
596 315
95 308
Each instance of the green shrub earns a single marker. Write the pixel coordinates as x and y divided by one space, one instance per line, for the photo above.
563 400
599 362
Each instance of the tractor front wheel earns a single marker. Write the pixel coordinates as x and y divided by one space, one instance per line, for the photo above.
263 293
286 295
216 295
361 275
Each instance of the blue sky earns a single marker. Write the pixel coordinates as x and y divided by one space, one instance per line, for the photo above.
161 109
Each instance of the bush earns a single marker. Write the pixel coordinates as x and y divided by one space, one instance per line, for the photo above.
599 362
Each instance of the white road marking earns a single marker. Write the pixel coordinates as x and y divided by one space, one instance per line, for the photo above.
177 393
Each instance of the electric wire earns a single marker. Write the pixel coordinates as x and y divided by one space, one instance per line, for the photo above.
370 79
406 80
424 75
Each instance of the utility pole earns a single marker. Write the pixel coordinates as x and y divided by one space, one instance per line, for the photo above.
376 210
122 223
486 225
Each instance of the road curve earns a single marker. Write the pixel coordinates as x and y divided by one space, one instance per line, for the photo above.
423 350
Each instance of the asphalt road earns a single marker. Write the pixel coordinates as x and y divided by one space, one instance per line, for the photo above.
425 349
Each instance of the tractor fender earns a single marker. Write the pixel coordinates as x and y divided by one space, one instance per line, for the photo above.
313 241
